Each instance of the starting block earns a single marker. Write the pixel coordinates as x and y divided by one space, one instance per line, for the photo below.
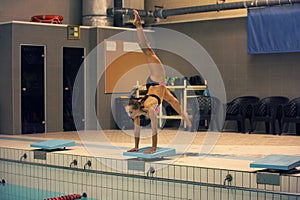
53 144
277 162
160 153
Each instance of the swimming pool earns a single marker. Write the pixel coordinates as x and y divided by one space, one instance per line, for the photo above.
15 192
54 176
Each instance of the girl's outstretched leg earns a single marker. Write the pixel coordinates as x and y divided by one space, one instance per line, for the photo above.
168 97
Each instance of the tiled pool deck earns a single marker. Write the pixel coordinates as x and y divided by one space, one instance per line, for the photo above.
227 150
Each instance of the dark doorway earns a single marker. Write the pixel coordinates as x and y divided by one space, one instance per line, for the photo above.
72 60
33 89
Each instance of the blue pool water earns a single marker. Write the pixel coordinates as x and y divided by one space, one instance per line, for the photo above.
15 192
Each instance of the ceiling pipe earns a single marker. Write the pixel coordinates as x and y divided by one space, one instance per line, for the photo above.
164 13
126 11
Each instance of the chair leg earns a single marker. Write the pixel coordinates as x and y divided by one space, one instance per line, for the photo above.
267 124
218 125
223 126
252 126
210 125
273 127
243 129
239 126
285 127
281 127
195 122
297 128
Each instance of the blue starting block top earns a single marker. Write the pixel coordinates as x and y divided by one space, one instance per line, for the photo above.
277 162
160 152
53 144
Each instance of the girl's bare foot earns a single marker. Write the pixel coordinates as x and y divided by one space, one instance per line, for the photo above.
187 120
153 150
137 18
189 124
133 150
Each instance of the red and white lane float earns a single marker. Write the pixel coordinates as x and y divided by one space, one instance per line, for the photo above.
68 197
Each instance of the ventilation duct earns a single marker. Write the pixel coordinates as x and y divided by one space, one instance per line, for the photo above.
164 13
94 12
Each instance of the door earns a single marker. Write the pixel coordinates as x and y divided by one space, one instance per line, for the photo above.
72 60
33 89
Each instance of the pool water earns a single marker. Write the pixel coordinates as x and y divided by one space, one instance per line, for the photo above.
15 192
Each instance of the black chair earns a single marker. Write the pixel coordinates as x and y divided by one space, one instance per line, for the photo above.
291 114
206 108
239 110
266 110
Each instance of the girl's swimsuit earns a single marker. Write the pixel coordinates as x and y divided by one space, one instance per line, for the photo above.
150 82
143 120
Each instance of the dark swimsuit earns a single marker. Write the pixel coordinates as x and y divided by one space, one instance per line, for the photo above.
143 120
150 83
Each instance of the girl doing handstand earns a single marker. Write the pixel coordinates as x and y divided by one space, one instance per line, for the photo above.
156 92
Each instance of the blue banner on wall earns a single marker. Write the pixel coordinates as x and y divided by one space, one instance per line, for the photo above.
274 29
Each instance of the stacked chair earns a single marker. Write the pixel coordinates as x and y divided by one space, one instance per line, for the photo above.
291 114
239 109
206 108
268 110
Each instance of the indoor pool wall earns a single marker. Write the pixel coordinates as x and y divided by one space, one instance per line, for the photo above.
103 180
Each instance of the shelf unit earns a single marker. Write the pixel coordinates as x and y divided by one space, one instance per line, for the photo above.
184 95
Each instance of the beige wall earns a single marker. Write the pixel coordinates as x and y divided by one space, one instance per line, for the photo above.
6 85
167 4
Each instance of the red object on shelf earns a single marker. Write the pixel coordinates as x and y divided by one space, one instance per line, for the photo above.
52 19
